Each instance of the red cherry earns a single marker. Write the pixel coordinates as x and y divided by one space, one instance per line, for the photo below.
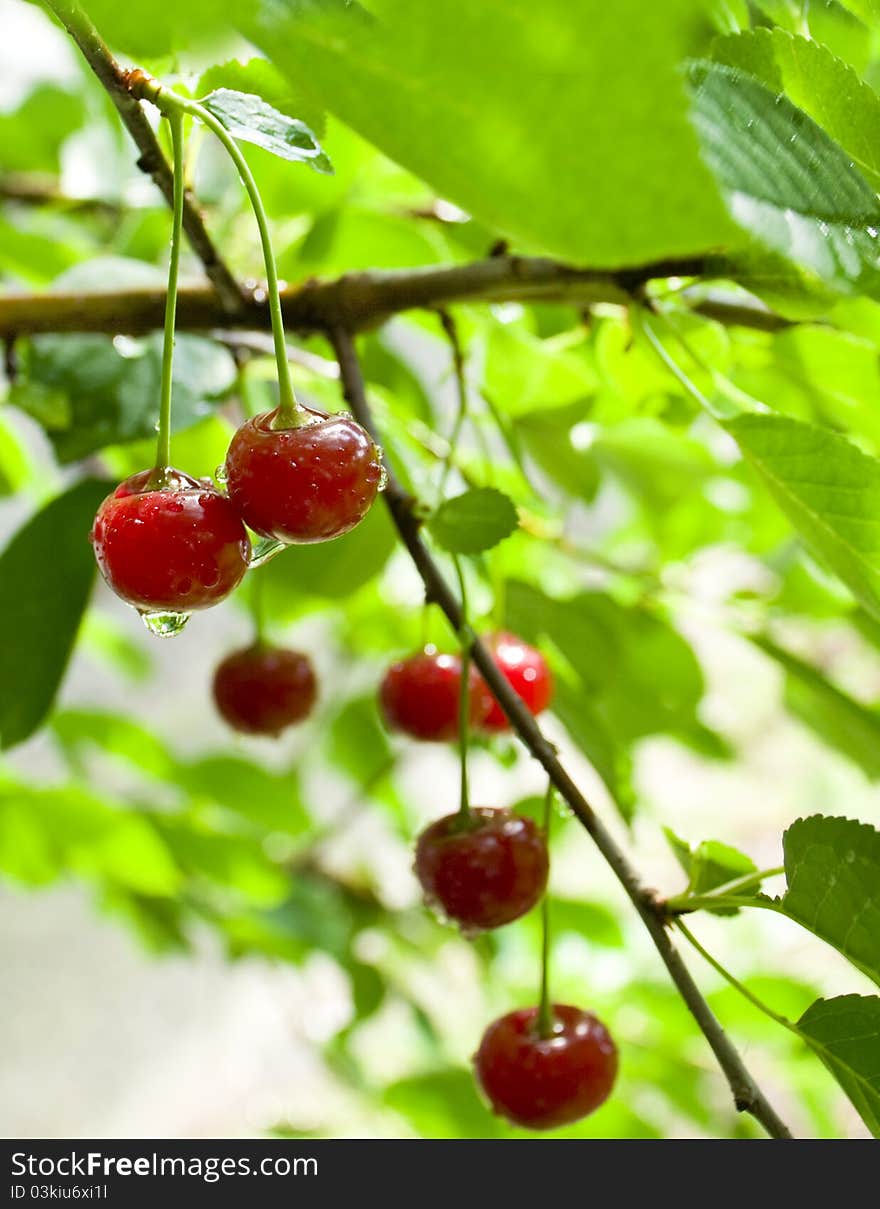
263 689
526 670
178 547
485 875
304 484
420 696
544 1082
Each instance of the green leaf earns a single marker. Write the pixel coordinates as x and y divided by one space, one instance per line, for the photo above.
32 136
267 800
845 1034
235 862
630 675
444 1104
302 577
710 865
252 119
45 832
93 391
358 743
524 374
828 489
260 77
555 138
78 730
819 83
14 462
786 181
839 720
608 755
474 521
832 866
46 575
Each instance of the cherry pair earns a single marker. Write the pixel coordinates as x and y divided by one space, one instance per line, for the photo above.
167 542
419 696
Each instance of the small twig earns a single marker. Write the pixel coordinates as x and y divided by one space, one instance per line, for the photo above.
37 189
152 161
747 1095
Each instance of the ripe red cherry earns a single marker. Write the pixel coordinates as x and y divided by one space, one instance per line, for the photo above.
544 1082
263 689
174 548
485 875
526 670
420 696
304 484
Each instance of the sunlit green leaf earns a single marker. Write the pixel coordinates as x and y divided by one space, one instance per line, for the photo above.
46 575
845 1033
475 521
832 866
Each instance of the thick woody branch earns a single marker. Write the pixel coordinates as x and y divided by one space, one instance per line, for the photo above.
152 160
747 1095
354 301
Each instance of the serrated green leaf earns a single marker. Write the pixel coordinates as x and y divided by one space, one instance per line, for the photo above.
816 81
711 864
46 575
786 181
829 490
257 76
474 521
563 109
93 391
250 118
845 1034
832 867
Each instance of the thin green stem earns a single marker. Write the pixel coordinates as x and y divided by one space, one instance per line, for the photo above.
671 364
163 443
685 904
290 414
737 399
449 327
734 982
258 610
727 890
464 698
545 1010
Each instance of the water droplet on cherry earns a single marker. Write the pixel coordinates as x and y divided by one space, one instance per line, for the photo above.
164 624
264 549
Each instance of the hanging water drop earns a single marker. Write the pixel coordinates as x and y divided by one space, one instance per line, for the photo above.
221 475
264 549
383 480
164 624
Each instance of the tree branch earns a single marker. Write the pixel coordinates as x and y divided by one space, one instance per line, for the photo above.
748 1097
354 301
152 161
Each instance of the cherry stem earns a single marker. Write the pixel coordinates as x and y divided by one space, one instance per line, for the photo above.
163 444
290 414
545 1010
464 697
258 611
451 331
